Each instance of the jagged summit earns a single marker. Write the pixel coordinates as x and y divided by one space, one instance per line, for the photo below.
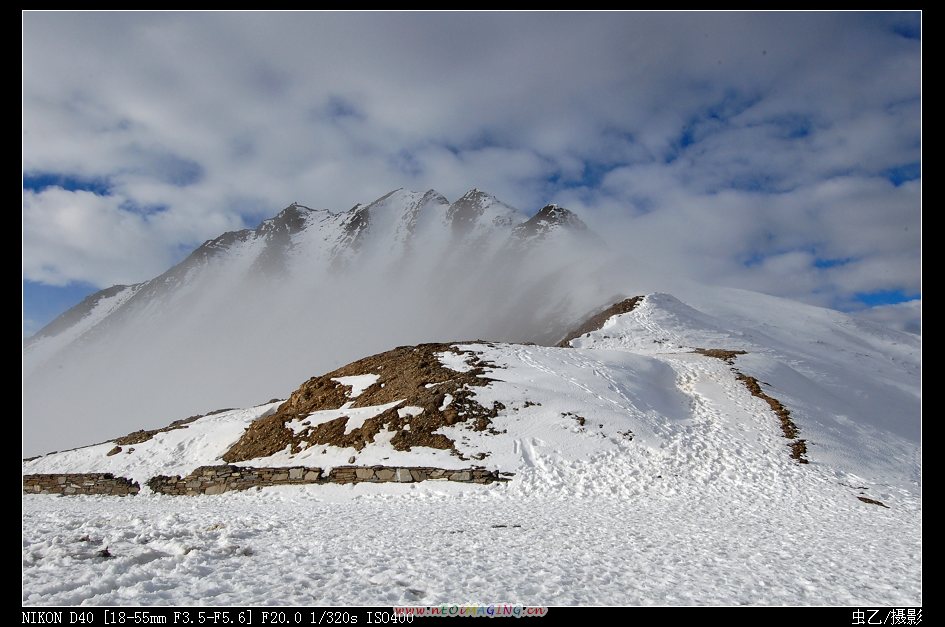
553 214
397 215
477 211
292 217
548 219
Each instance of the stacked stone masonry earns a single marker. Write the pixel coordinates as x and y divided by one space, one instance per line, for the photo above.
225 478
85 483
219 479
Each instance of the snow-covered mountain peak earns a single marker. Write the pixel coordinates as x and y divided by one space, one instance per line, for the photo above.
391 221
549 219
478 212
476 193
292 218
433 196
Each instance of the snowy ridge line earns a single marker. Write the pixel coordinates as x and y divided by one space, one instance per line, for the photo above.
598 320
852 388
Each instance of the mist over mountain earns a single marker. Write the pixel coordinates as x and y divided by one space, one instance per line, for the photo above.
250 313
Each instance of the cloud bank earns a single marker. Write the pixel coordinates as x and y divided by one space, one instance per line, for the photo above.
774 151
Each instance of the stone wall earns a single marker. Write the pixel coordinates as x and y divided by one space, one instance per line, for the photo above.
224 478
382 474
219 479
84 483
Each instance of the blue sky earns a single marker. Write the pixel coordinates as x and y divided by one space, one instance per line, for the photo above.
778 152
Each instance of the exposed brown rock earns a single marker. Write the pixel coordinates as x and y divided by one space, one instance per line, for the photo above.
872 501
581 420
411 374
597 320
798 450
728 356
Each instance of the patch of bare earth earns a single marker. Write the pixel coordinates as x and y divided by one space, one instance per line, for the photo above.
412 375
596 321
720 353
872 501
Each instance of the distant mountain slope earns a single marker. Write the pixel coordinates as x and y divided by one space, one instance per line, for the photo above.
307 290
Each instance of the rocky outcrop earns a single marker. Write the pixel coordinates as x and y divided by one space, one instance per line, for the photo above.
413 375
79 483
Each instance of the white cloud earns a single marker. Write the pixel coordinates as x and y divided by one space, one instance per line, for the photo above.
81 236
221 119
905 316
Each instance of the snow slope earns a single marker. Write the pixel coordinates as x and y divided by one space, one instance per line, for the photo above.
852 386
644 474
